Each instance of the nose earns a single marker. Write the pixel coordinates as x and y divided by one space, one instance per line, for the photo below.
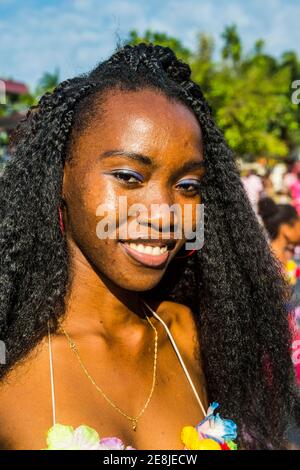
162 214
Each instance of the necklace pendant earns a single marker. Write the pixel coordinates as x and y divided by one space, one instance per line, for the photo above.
134 426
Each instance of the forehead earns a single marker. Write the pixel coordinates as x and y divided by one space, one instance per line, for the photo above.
142 121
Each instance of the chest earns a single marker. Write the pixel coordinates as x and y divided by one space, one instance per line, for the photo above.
171 406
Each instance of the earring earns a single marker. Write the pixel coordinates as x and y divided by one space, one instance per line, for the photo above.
61 224
185 256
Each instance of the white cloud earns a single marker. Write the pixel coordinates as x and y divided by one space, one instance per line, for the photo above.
75 35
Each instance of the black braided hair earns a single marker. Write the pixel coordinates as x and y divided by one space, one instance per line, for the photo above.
233 284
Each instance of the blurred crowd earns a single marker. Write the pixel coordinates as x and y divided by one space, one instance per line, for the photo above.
281 183
275 197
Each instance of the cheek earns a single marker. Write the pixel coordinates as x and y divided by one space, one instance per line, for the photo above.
96 215
297 233
294 235
88 202
191 213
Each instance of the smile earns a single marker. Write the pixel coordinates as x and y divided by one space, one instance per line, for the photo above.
148 255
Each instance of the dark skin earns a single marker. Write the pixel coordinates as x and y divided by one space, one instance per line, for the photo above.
284 244
104 314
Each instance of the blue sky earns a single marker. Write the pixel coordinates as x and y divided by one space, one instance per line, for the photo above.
73 35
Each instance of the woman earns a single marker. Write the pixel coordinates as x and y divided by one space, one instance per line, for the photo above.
136 126
282 224
295 193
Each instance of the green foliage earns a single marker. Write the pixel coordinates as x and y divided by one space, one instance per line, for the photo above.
47 83
232 49
250 93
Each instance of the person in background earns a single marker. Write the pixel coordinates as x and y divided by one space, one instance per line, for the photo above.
282 225
268 187
289 178
282 197
277 175
253 186
295 193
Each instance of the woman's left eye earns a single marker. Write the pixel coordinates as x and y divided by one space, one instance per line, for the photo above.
189 186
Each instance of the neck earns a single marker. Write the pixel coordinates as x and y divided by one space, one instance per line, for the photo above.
95 305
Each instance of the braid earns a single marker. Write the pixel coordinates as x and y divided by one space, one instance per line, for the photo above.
32 241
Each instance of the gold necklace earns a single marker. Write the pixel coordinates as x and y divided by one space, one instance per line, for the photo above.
134 419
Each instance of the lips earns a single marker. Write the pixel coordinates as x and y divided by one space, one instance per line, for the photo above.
148 259
169 242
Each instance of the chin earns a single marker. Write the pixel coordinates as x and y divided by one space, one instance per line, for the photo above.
141 284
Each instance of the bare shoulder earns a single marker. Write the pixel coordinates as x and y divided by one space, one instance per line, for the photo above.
182 325
18 395
24 368
178 314
184 330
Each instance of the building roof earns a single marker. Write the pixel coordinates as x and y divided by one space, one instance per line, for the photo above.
15 88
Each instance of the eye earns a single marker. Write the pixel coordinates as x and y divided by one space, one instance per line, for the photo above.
127 177
189 186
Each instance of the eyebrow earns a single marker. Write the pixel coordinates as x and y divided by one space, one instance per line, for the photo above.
145 160
133 155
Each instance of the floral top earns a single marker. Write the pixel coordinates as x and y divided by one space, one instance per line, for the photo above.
212 433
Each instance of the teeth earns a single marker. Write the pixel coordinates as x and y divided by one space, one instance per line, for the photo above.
148 249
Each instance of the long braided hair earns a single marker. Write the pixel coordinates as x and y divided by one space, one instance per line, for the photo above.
233 284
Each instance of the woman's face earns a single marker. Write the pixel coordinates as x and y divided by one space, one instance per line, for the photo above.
135 149
290 234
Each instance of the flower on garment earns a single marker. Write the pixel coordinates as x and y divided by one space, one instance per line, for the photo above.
193 441
216 427
61 437
291 271
212 433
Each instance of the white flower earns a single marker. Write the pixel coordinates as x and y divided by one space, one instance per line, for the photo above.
61 437
216 427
